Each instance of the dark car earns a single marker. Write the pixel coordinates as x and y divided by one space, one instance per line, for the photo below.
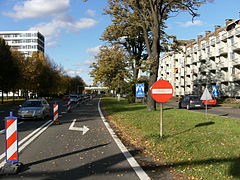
66 97
190 102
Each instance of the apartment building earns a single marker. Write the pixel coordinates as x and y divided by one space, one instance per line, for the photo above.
209 60
24 41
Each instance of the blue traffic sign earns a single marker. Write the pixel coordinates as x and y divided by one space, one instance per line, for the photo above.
140 90
215 91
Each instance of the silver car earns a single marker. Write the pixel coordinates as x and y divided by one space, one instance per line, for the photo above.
34 109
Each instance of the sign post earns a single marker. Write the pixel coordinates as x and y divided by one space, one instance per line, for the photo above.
206 96
161 91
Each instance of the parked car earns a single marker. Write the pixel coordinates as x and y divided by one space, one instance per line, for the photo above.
66 97
190 102
74 98
34 109
211 102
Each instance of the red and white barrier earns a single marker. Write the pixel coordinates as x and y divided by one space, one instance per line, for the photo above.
11 139
69 106
55 113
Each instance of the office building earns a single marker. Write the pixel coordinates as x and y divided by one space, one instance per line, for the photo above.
24 41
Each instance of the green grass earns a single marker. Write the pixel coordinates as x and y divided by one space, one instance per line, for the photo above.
200 147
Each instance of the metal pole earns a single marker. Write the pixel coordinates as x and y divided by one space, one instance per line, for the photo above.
161 120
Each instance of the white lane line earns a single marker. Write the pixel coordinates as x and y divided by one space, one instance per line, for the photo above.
133 163
39 130
34 137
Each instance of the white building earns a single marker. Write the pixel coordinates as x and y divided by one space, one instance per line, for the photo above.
24 41
213 59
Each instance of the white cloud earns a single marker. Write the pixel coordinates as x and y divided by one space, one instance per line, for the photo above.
87 62
83 23
91 13
38 8
53 29
191 23
75 72
51 44
93 51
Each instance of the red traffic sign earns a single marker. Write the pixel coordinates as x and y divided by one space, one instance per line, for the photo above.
161 91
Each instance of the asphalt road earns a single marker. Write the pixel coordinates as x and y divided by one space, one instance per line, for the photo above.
230 112
63 152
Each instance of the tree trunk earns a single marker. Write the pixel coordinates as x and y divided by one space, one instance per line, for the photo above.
151 105
2 96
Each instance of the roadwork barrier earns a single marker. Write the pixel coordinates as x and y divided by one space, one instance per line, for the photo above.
12 165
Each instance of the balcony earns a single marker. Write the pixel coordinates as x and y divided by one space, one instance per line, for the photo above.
223 50
213 65
223 37
203 46
231 33
213 78
225 77
195 70
236 47
189 61
236 77
195 49
182 73
237 31
203 67
223 64
236 61
211 54
212 42
188 71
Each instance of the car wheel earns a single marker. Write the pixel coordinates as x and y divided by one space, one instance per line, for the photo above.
179 106
188 107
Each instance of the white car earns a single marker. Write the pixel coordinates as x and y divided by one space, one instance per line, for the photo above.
74 98
34 109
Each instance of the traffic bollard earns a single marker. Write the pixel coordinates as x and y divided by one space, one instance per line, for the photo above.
12 165
11 139
69 106
55 114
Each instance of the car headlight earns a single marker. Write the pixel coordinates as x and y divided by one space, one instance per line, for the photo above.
38 112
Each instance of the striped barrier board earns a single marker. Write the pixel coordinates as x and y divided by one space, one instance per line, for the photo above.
55 113
11 139
69 106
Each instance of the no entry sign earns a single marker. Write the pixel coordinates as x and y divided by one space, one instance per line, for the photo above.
161 91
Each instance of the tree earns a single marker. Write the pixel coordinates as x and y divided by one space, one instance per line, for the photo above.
8 69
151 15
111 67
131 38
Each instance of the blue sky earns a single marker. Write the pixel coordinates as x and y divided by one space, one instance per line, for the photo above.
72 28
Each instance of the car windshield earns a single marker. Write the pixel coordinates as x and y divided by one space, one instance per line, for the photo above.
32 104
194 98
73 97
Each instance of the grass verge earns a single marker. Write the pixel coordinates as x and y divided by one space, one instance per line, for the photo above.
198 147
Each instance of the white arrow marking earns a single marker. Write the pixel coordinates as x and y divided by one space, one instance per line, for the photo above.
84 129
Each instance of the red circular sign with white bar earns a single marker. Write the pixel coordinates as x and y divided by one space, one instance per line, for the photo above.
161 91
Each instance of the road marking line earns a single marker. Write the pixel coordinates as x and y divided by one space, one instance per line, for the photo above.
133 163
